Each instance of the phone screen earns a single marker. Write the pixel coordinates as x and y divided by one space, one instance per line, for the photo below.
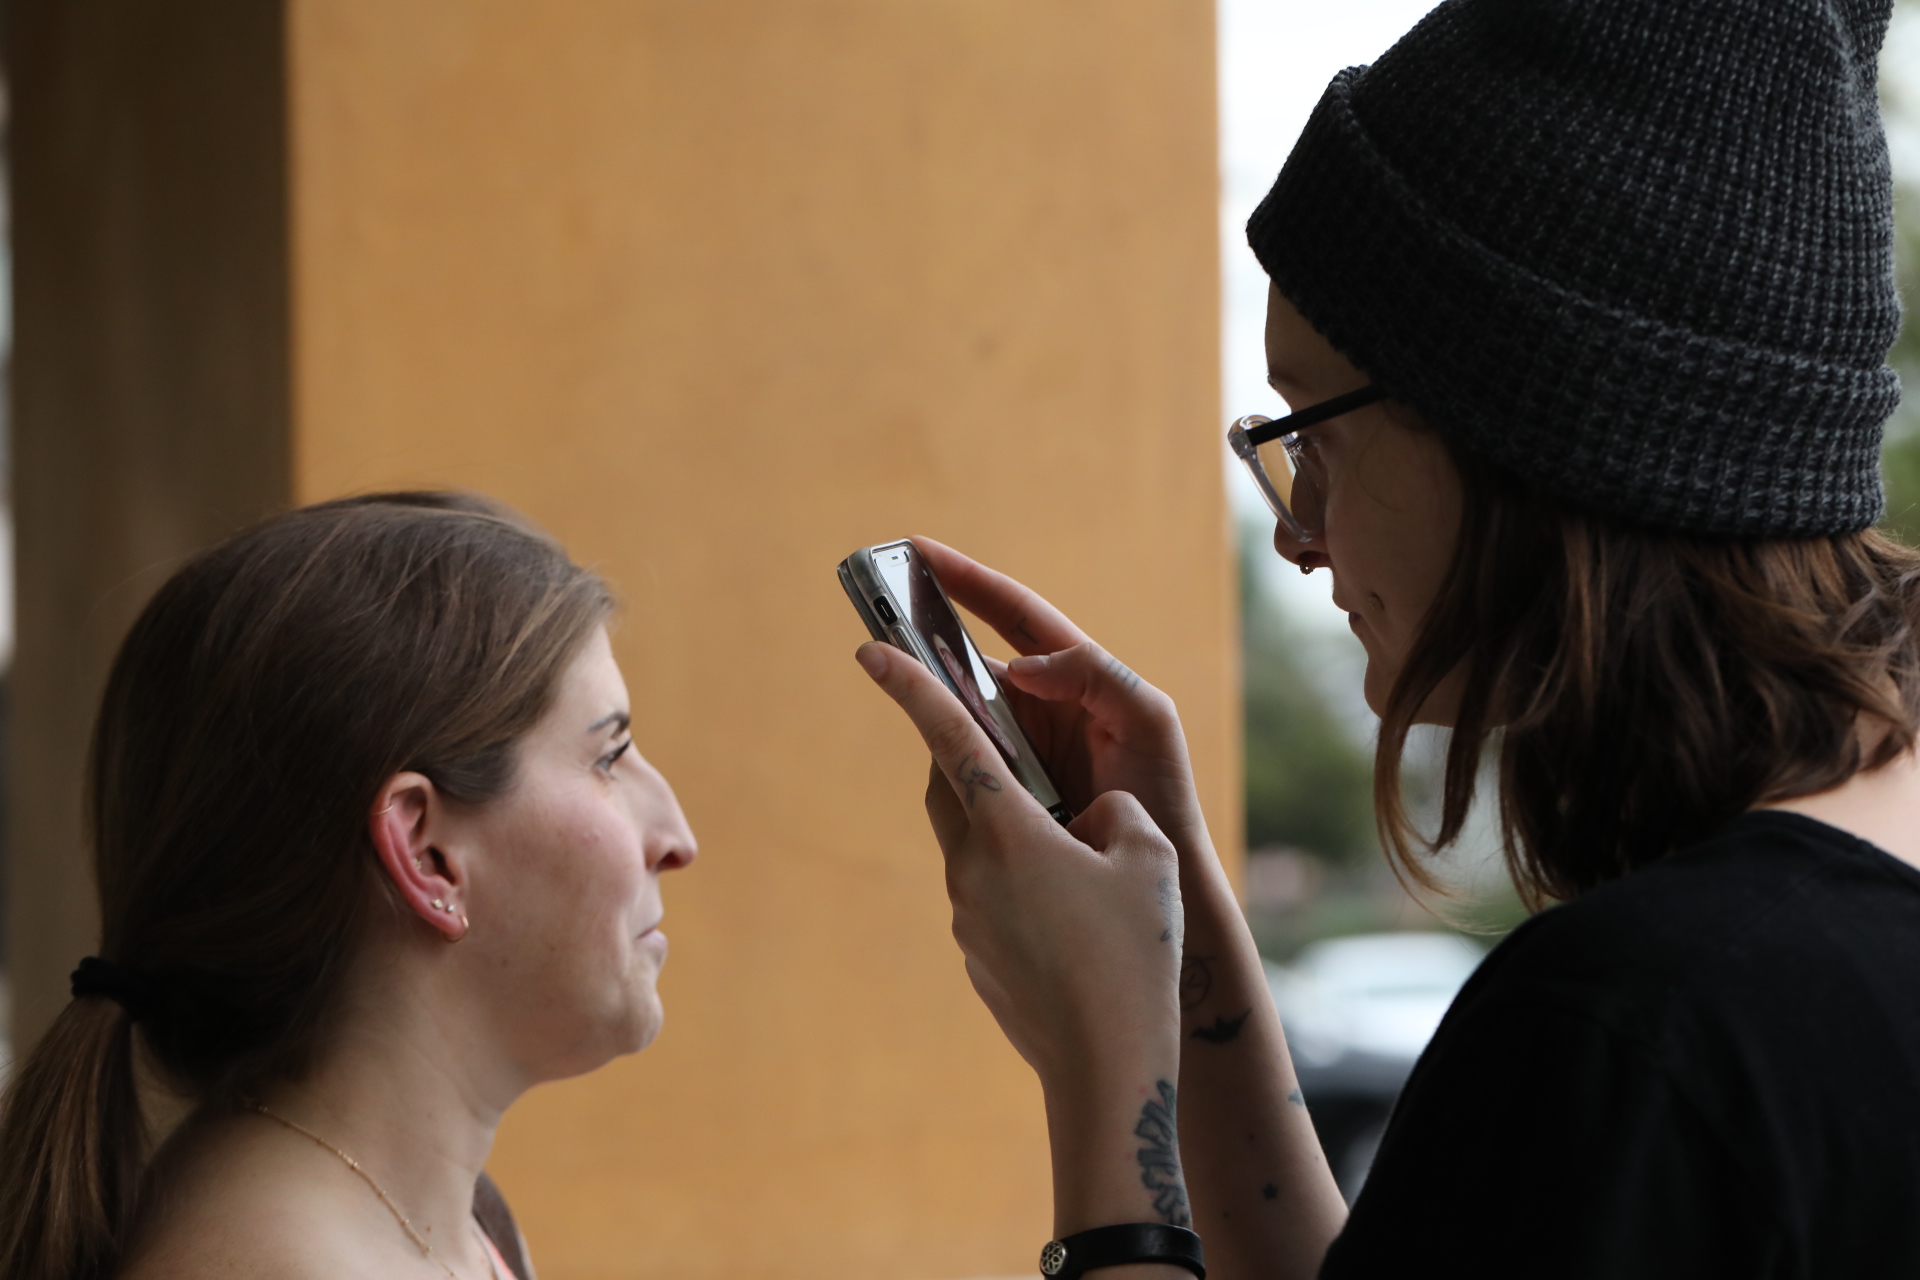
925 606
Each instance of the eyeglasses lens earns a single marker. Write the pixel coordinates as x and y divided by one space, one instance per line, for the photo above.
1294 475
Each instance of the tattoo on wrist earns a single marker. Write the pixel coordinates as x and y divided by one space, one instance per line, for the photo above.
1196 981
972 776
1118 671
1297 1098
1160 1170
1224 1029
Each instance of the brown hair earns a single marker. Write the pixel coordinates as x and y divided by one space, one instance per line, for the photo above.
254 711
1641 688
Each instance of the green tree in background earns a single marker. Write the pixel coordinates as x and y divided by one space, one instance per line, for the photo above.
1309 785
1900 460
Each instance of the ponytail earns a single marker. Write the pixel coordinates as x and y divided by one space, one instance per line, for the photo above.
72 1143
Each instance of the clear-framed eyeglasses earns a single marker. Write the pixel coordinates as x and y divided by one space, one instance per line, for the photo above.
1290 476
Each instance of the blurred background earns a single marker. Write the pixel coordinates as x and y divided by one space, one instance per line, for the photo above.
718 293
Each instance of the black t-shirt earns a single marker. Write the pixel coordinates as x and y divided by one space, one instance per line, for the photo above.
1710 1068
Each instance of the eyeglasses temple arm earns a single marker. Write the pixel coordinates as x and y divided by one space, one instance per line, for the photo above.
1314 413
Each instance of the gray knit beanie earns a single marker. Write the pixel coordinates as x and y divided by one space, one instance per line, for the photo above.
1638 252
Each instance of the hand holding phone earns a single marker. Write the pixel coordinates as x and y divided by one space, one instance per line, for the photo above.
902 603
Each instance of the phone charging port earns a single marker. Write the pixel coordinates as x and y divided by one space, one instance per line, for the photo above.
884 607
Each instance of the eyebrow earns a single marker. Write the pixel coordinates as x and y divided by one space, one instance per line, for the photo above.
619 719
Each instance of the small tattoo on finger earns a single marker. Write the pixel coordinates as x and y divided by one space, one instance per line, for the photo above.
973 777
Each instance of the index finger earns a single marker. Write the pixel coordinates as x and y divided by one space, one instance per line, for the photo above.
960 749
1020 615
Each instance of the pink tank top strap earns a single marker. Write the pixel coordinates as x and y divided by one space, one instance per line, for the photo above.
501 1271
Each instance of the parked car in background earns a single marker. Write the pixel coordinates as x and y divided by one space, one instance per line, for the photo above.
1357 1012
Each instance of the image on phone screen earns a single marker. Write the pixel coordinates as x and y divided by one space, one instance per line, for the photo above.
925 608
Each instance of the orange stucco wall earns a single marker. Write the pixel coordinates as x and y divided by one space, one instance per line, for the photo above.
718 291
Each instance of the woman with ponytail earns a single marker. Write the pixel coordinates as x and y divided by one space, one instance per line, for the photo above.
375 855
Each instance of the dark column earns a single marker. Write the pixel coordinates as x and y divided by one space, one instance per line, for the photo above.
148 165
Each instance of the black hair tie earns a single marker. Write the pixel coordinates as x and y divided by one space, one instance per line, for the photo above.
130 988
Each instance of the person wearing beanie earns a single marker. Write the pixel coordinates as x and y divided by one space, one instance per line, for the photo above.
1583 309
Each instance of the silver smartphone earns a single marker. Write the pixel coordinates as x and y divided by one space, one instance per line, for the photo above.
902 603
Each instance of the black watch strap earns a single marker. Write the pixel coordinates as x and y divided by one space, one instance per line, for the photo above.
1084 1251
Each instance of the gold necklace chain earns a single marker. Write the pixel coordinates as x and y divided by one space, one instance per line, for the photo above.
367 1178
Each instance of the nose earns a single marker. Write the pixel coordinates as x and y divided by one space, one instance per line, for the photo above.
675 846
669 844
1308 555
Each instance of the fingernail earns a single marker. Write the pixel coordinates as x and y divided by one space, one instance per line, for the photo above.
1029 665
871 659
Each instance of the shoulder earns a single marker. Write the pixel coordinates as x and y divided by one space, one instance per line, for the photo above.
238 1235
216 1204
1772 906
1715 1051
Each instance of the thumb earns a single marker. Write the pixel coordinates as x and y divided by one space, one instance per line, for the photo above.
1117 826
1115 819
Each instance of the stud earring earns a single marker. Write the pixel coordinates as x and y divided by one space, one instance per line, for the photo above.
439 905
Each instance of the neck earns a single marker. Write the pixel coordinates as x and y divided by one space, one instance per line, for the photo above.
1880 806
408 1090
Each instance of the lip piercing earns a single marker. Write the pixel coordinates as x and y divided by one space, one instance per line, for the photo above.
1306 568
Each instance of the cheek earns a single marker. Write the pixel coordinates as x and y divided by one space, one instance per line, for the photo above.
579 883
1391 553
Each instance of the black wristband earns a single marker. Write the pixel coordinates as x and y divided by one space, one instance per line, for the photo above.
1083 1251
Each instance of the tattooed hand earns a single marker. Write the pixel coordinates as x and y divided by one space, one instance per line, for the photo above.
1114 977
1095 722
1057 924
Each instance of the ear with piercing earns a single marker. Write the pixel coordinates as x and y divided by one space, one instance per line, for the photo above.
421 864
450 909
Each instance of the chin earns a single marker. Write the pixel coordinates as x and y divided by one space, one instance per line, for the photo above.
1375 690
641 1025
